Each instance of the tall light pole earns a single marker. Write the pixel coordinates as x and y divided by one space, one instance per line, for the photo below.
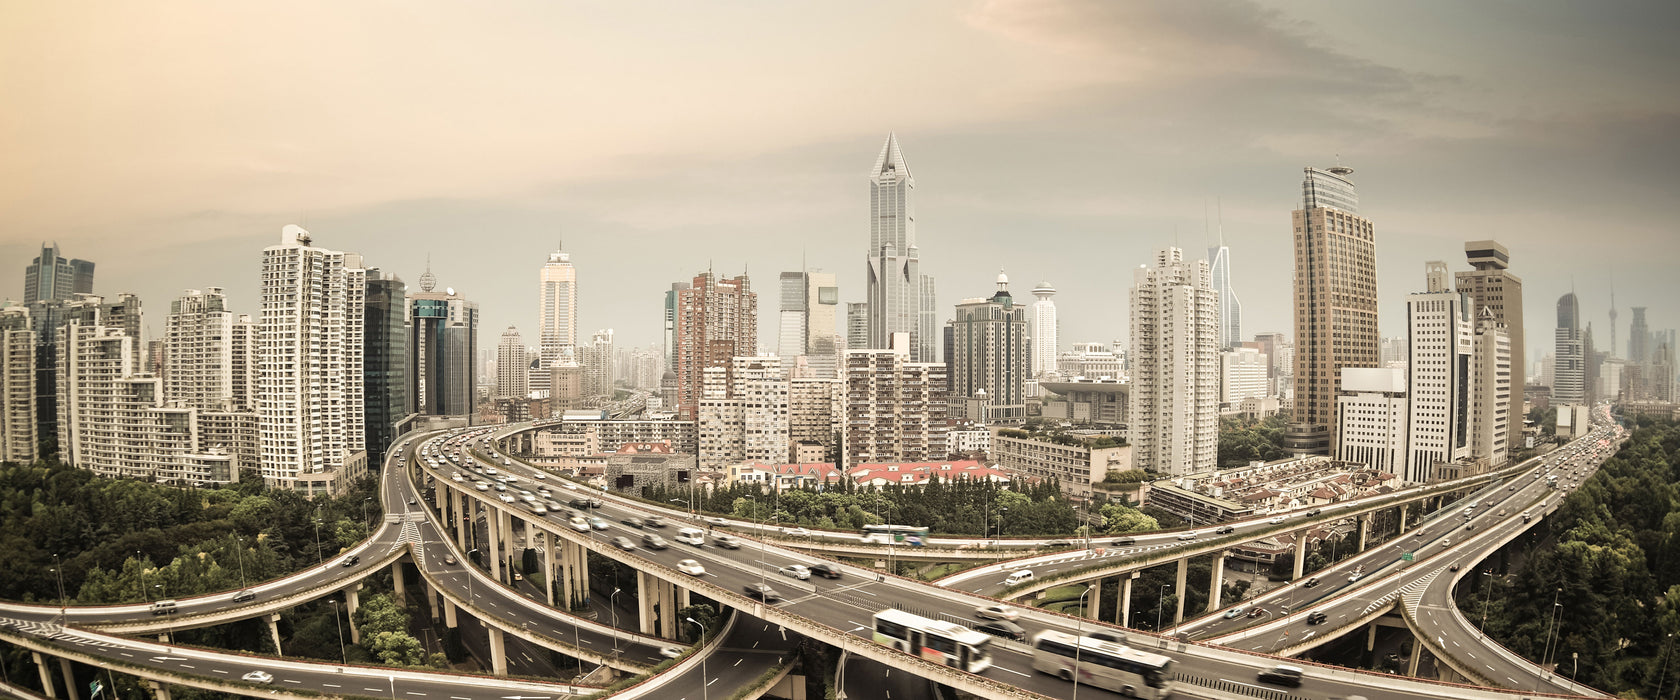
1486 595
342 657
1551 621
320 556
1079 636
1160 598
705 687
1663 675
612 606
58 567
470 596
240 553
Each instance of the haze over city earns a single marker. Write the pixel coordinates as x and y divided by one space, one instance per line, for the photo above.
1061 141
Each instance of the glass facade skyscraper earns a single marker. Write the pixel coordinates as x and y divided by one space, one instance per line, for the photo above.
384 361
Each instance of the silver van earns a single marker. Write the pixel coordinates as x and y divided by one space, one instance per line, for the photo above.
1018 577
692 535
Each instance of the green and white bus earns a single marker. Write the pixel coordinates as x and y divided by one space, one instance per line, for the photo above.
1105 665
940 642
895 534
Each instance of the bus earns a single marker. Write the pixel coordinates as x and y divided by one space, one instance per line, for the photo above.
889 534
1106 665
934 640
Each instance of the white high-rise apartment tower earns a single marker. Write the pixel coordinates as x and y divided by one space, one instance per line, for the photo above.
900 296
18 436
512 375
1174 404
558 330
198 351
1044 329
1439 373
309 398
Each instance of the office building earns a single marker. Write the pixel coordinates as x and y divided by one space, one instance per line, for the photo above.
1242 375
671 325
1492 392
744 413
857 325
1372 419
51 277
716 321
895 409
309 388
1090 360
1335 292
988 348
384 361
1174 407
1569 361
1492 286
1101 402
807 321
512 376
900 297
557 326
1230 309
790 341
1044 331
19 439
1639 338
442 346
1440 334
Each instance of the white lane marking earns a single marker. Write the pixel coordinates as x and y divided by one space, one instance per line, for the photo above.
217 670
710 682
124 653
288 680
329 685
376 690
1018 673
186 666
410 692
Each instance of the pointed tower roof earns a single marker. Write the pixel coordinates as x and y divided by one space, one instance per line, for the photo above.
891 159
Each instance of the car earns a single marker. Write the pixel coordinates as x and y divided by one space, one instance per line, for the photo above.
1454 567
597 523
1125 542
481 486
258 677
1316 617
654 521
1282 675
244 595
1188 535
1355 576
1277 520
351 560
671 652
1314 512
1002 628
796 532
594 503
544 492
506 498
1446 543
1310 582
538 475
1020 576
634 522
759 591
1235 612
1417 533
717 522
825 570
1257 611
1469 526
1513 488
652 541
578 523
798 571
997 612
570 486
1224 530
726 541
623 543
691 567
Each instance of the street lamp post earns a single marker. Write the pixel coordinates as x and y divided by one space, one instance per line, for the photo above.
470 596
705 687
240 553
320 556
1160 598
1487 595
342 657
1079 636
612 606
1551 622
1663 675
58 568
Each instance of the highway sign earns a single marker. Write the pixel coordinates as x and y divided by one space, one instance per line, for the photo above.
1406 556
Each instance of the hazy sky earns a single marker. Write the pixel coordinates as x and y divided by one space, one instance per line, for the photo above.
1064 141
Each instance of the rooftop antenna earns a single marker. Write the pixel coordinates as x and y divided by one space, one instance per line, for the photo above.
1207 232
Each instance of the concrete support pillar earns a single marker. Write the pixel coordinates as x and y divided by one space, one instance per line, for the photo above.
1417 655
1402 520
159 690
461 519
506 529
438 496
449 613
274 631
1093 601
1364 530
353 600
644 603
491 546
46 675
667 610
1123 616
398 588
1300 554
580 573
498 652
70 680
549 583
683 598
1183 568
1216 591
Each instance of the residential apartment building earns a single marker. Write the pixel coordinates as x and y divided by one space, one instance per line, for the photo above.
1492 392
512 375
895 408
716 320
1174 427
744 413
198 351
1242 375
1075 463
989 351
1045 330
816 409
19 441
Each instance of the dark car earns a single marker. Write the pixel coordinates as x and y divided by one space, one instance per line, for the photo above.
1002 628
1224 530
1282 675
759 591
826 570
594 503
633 522
352 560
652 541
654 521
1310 582
623 543
1316 617
244 595
1314 512
1125 542
579 503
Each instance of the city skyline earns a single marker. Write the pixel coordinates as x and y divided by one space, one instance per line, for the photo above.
1432 178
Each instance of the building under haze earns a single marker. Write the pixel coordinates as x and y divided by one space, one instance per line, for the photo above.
384 361
52 277
1439 378
511 374
716 321
901 298
19 439
1335 302
1045 330
557 328
1230 309
744 413
442 345
198 351
1491 286
807 321
895 408
988 349
1569 362
1174 403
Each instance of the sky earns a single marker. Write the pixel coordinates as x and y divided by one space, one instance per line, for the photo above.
1058 140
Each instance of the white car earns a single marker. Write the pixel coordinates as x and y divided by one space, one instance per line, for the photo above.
997 612
691 567
258 677
540 475
796 532
570 486
1190 535
670 652
505 498
798 571
1277 520
578 523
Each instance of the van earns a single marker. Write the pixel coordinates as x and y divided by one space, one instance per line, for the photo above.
1282 675
692 535
164 607
1018 577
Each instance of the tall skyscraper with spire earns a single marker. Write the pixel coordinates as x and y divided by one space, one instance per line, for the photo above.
1335 302
1230 309
901 298
557 329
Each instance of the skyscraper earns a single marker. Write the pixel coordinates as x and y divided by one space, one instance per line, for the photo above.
1044 330
807 319
790 341
1569 364
671 325
1439 378
988 368
597 362
900 296
1335 302
857 325
557 331
384 360
198 347
309 391
511 373
442 344
1230 309
1639 338
54 278
1493 389
1174 403
1491 286
19 439
716 320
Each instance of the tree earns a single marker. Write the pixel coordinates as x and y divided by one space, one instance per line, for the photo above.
1119 520
396 648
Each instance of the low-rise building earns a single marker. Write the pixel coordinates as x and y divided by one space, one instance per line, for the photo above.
1094 401
1076 461
1265 487
781 477
635 466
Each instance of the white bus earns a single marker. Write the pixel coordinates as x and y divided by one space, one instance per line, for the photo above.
888 534
1102 664
940 642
